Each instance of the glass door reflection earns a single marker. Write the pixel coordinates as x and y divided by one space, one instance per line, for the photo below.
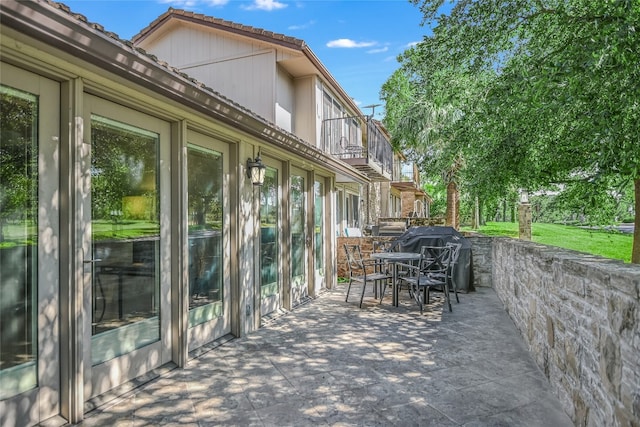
125 238
18 241
205 213
298 239
269 238
318 232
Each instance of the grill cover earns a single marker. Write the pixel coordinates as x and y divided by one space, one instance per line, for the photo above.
416 237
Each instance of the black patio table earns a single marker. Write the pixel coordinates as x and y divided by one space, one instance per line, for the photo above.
417 237
395 258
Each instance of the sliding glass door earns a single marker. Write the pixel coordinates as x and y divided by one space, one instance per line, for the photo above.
208 240
270 280
299 236
318 233
29 247
127 288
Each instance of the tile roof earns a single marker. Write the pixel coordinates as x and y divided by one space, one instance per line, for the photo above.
130 45
241 29
269 130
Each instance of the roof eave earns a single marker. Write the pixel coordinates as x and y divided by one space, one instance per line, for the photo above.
49 24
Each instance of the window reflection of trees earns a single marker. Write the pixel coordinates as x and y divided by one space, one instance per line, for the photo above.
205 212
18 164
125 215
124 185
318 225
269 232
297 225
18 228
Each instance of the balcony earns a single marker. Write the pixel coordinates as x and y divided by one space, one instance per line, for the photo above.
405 176
370 153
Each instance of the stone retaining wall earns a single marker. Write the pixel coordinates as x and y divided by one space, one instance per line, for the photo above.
579 315
481 259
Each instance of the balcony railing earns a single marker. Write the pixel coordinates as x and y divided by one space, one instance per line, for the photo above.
371 153
404 171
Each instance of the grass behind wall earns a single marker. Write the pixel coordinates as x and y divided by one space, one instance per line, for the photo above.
608 244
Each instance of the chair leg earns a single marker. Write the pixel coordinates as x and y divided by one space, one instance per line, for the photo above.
383 289
364 287
455 292
348 289
418 296
446 296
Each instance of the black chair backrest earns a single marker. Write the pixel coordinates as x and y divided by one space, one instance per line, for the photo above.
455 252
354 257
434 259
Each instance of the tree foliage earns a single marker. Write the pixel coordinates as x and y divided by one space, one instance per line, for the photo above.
528 93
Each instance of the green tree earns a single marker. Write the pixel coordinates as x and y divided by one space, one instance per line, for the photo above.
545 92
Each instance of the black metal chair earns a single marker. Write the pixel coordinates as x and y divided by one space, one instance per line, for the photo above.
382 266
432 271
455 255
362 271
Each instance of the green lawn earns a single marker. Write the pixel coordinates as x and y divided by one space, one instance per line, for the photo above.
609 244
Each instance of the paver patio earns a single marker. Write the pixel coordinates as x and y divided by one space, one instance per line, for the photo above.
330 363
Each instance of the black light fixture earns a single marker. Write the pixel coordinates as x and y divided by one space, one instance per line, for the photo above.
256 170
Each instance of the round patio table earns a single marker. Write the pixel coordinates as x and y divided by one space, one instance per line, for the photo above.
395 258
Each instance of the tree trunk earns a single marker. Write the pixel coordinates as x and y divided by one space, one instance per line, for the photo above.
635 251
452 205
504 210
475 223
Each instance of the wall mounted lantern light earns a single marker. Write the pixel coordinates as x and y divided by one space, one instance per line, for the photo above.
256 170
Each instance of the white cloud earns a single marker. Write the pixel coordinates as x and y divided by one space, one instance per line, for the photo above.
412 44
301 26
267 5
348 43
381 50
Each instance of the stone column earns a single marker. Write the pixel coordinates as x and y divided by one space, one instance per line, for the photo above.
524 217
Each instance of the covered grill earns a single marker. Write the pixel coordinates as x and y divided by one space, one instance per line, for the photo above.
416 237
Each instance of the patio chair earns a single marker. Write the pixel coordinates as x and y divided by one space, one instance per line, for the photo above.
362 271
381 266
455 255
431 272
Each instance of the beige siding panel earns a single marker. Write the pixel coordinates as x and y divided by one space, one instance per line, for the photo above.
285 100
305 116
319 96
243 72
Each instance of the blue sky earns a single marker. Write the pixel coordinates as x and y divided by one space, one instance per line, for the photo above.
357 40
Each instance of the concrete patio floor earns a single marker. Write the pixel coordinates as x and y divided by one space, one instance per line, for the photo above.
331 363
